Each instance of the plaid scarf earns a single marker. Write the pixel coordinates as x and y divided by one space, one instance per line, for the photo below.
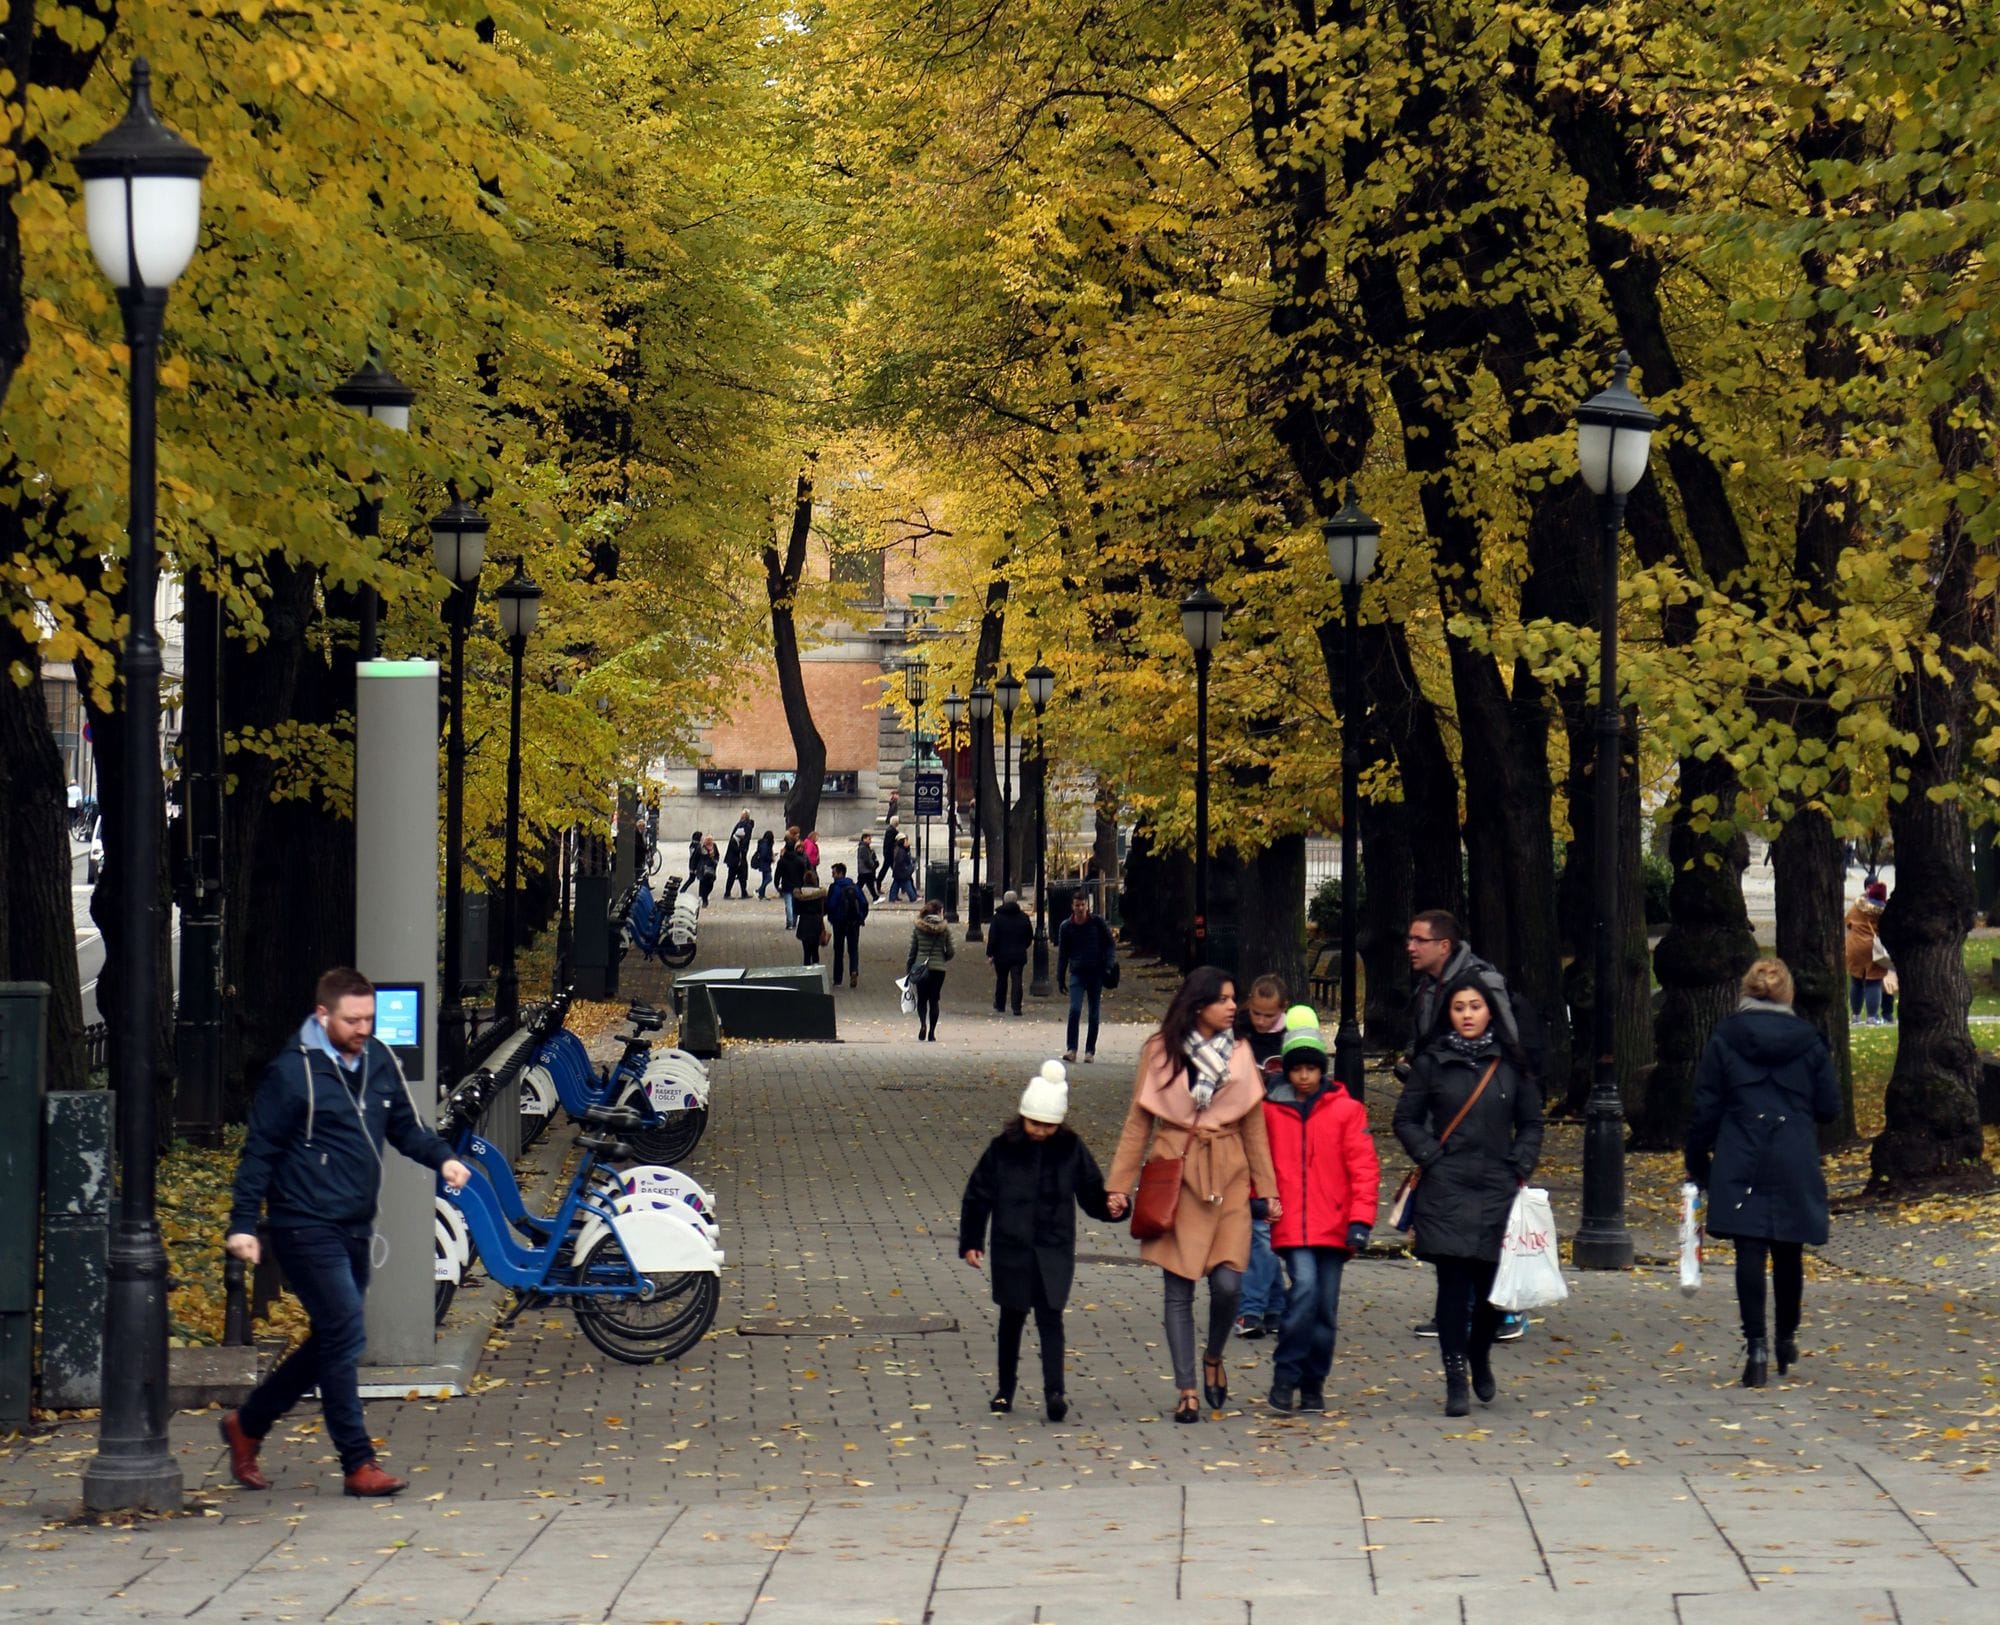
1208 1064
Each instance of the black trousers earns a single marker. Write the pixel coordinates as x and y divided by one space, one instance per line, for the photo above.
1788 1283
846 951
1465 1320
1049 1328
930 985
1005 976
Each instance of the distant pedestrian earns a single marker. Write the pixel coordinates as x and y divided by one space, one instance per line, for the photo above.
1328 1176
810 847
809 915
930 951
711 860
1197 1096
903 870
868 867
694 856
790 866
1085 955
846 913
319 1121
762 860
1009 935
1471 1119
1028 1185
1764 1081
736 859
1867 957
1261 1025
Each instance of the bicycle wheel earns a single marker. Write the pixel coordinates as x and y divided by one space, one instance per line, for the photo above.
671 1139
640 1331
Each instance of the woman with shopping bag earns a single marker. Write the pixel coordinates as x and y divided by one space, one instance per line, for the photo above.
1764 1081
1471 1119
1198 1098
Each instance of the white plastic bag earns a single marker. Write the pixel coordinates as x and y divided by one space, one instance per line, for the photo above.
908 989
1690 1240
1530 1274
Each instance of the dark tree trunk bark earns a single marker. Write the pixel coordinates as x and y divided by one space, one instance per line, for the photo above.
1104 834
1388 901
1260 906
782 576
37 929
1808 864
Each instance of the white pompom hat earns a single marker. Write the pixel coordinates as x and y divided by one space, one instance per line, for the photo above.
1046 1099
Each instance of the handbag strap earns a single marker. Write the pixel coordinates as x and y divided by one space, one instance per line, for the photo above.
1472 1100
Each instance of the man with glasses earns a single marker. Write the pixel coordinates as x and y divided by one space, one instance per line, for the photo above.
1439 956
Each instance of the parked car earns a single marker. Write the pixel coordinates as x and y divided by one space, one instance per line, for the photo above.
93 861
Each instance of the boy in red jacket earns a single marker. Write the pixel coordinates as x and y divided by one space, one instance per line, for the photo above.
1327 1178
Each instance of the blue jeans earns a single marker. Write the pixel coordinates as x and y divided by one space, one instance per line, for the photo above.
1077 994
791 911
327 1267
1305 1340
1263 1286
903 885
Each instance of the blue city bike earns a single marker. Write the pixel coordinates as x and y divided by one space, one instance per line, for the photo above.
667 1091
643 1283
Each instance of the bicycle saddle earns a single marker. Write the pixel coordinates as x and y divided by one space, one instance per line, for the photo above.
604 1146
616 1119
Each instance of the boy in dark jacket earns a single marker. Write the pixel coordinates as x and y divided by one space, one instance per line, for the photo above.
846 911
1030 1182
313 1155
1327 1178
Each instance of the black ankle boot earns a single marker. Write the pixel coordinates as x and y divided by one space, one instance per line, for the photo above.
1756 1362
1056 1404
1480 1358
1788 1352
1002 1402
1457 1395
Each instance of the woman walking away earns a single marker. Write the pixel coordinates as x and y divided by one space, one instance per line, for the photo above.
809 899
1764 1081
763 860
930 951
1199 1096
1471 1119
1327 1179
1032 1179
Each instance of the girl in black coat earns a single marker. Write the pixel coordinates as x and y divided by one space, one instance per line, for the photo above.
1764 1081
1030 1182
1468 1175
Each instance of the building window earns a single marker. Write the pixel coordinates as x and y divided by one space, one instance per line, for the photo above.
721 781
842 784
775 781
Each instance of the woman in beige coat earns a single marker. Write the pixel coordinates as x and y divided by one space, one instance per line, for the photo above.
1200 1097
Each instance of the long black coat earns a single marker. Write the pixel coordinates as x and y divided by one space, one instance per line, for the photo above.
1030 1189
1763 1082
1468 1182
1009 935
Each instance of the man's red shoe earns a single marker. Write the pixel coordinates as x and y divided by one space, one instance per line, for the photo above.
242 1453
369 1479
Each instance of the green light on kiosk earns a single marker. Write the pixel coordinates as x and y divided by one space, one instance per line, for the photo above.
397 668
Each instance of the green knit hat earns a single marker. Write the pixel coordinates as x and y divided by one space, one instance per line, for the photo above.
1302 1036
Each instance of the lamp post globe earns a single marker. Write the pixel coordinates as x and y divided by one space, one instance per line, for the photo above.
1007 695
1352 539
458 545
519 603
1614 435
1202 615
142 213
1041 684
979 706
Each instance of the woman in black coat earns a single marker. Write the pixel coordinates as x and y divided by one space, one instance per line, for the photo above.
1030 1182
1764 1081
809 900
1468 1175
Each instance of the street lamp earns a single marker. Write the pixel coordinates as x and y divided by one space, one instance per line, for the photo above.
980 704
954 714
1201 624
142 209
1614 433
380 396
1007 693
916 684
458 545
1041 684
520 602
1351 541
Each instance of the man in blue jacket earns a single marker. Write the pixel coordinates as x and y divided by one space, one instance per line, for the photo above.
323 1111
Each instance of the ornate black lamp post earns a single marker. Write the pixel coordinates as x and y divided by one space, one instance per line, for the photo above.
1007 695
916 684
1041 684
1614 433
458 544
520 602
980 703
142 208
1351 541
1201 624
380 396
954 714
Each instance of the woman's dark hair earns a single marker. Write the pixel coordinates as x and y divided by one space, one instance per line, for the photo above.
1516 1057
1203 986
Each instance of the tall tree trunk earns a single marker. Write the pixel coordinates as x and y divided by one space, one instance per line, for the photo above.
1259 905
1808 864
1388 901
782 576
37 929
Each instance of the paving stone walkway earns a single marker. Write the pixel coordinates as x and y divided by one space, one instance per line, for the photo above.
845 1466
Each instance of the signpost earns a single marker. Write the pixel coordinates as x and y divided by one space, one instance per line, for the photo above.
930 795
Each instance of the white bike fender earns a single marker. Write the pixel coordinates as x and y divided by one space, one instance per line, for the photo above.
538 1092
709 1231
656 1179
457 1236
655 1241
